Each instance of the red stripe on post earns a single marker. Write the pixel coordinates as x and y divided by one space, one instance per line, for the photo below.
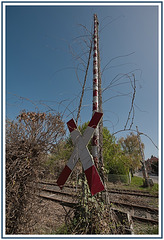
94 181
95 93
94 71
63 176
95 119
95 80
71 125
95 106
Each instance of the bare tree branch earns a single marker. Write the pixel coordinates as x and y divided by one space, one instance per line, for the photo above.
132 104
121 56
83 88
141 133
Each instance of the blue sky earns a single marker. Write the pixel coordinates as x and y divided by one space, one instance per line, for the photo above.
42 45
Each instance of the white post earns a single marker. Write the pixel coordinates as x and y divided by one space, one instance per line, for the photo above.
95 139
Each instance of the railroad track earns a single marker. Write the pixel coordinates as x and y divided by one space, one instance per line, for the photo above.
52 192
110 190
68 197
133 193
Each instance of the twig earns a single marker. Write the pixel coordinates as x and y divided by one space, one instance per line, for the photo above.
83 88
136 132
132 105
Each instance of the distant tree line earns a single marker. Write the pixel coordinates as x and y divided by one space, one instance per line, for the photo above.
120 156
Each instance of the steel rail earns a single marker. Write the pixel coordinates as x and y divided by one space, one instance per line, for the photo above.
125 191
73 204
57 192
135 206
145 219
112 201
133 193
62 202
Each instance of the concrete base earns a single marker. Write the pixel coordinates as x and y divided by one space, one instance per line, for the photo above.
148 182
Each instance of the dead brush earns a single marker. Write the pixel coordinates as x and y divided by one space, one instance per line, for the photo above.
28 141
92 216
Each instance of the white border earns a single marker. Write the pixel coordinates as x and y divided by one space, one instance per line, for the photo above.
91 3
4 112
159 113
80 4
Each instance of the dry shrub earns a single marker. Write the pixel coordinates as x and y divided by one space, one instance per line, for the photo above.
28 140
94 218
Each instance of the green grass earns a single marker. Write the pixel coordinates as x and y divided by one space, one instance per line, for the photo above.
137 182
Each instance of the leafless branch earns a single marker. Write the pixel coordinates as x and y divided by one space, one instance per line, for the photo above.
121 56
141 133
113 20
83 88
132 104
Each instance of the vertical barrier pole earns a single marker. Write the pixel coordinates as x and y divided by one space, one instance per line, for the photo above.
95 139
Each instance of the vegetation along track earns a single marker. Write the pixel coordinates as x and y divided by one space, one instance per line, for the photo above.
141 206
